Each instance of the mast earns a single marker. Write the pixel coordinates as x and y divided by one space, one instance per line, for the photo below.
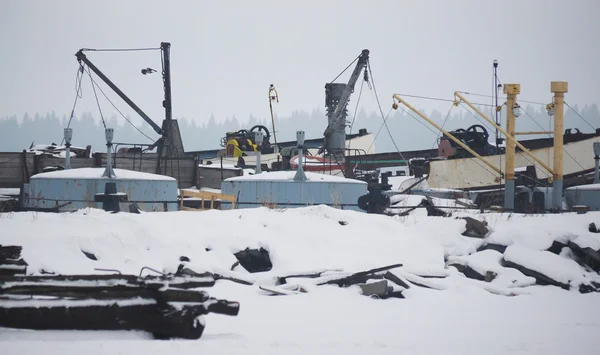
496 87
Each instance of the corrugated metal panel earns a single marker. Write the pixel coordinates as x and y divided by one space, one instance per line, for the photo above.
286 193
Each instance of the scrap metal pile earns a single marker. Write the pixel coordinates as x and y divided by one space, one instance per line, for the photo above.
166 306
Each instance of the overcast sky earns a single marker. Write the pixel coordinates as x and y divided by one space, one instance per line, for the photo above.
226 53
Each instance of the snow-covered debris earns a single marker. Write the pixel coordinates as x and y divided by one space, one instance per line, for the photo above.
546 267
490 261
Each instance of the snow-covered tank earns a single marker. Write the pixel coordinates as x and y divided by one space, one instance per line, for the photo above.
74 189
284 189
107 188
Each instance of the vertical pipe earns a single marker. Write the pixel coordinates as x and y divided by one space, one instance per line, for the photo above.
597 170
511 91
68 134
597 161
258 163
108 172
300 176
496 103
68 157
559 88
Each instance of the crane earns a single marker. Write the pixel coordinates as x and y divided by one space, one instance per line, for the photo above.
337 96
170 143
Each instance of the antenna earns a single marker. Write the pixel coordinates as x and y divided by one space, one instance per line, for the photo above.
496 88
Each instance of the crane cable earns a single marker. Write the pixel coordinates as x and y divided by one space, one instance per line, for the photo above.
349 65
119 111
381 111
95 95
443 124
78 95
580 116
434 132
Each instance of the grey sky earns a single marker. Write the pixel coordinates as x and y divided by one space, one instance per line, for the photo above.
226 53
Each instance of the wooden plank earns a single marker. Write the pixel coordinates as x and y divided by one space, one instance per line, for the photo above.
13 168
204 195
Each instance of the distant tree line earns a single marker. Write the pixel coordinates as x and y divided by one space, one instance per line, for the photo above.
405 130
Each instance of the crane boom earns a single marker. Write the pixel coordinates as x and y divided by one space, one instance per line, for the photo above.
83 58
337 96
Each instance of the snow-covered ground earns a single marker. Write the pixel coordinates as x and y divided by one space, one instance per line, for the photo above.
457 315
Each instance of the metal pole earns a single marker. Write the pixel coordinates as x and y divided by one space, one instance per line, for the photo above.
109 134
496 104
166 53
511 91
559 88
597 160
448 134
258 163
68 134
596 170
300 176
271 98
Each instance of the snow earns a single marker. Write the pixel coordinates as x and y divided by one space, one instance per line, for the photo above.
289 175
537 231
219 166
563 270
455 315
588 241
589 187
96 173
489 260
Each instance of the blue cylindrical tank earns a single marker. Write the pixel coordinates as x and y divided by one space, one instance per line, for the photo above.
74 189
279 189
587 195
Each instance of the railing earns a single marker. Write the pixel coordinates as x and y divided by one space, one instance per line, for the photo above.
205 196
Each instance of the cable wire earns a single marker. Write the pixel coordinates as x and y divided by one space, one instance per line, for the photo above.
349 65
78 95
118 49
119 111
97 102
580 116
440 99
443 124
434 132
549 135
504 98
381 111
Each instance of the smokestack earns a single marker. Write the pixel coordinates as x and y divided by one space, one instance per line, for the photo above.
109 134
68 134
300 176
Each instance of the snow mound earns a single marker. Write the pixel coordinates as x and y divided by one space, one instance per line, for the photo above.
555 267
490 260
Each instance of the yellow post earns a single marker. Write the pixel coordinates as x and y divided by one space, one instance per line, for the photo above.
559 88
448 134
511 91
509 137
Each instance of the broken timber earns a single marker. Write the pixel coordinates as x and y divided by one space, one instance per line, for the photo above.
164 306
